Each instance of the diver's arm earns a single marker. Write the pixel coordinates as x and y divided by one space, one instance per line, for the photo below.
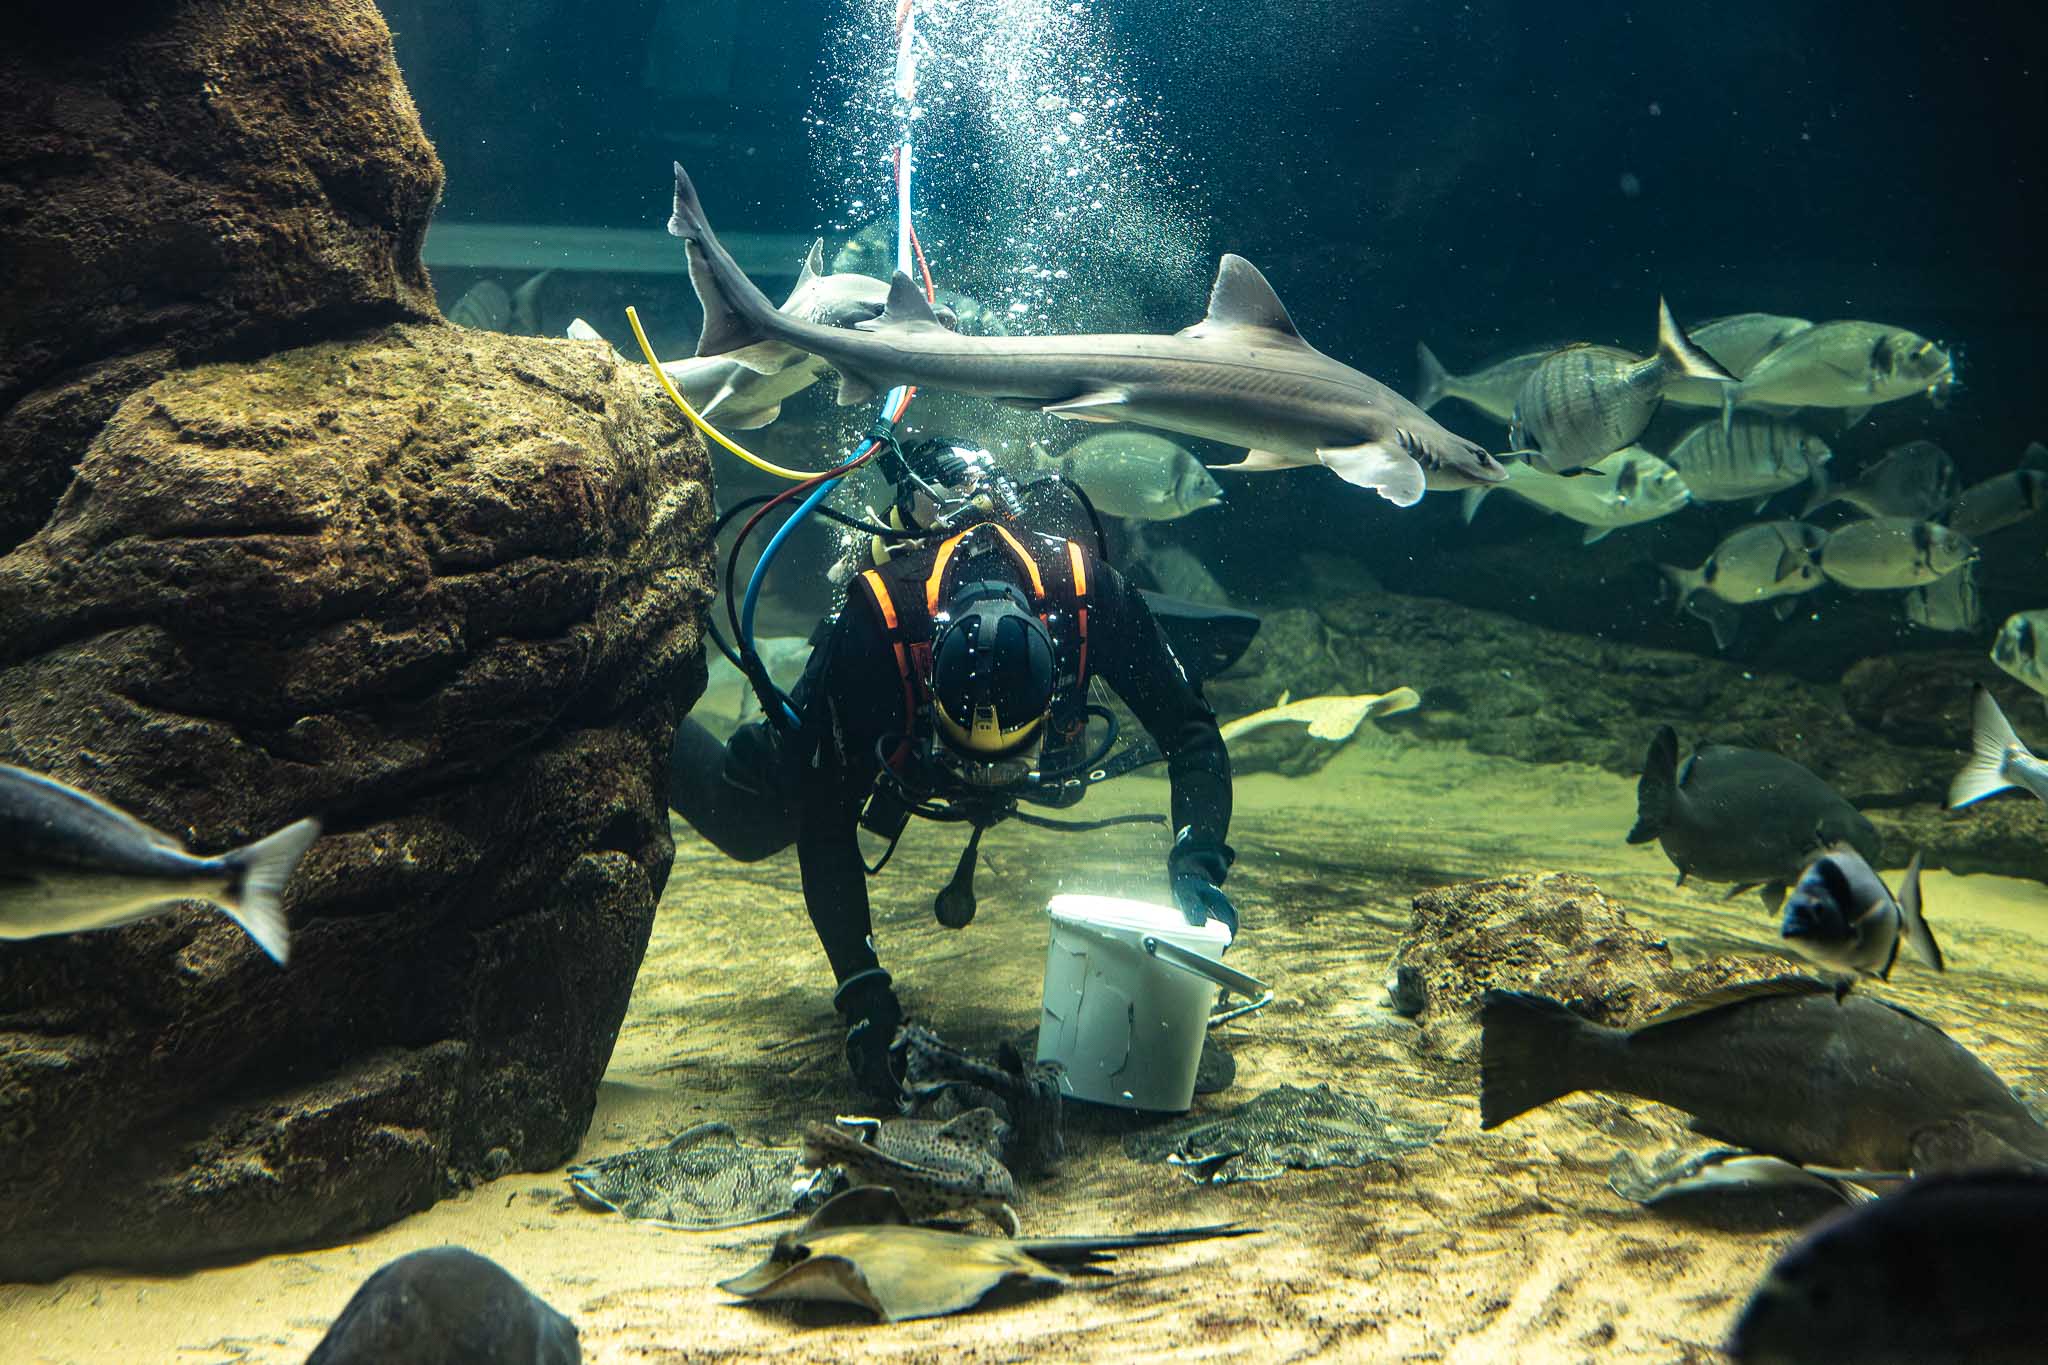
1133 658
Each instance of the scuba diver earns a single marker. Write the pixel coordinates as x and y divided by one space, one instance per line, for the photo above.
953 684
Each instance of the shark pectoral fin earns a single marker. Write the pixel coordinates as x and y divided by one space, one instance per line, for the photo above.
754 421
855 389
1098 406
1394 476
765 357
1469 504
1258 461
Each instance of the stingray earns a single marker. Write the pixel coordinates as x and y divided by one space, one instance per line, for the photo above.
862 1249
1333 718
704 1178
1287 1128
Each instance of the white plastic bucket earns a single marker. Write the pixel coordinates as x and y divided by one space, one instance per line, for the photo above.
1129 987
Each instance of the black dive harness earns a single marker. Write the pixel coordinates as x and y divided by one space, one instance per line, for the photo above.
913 778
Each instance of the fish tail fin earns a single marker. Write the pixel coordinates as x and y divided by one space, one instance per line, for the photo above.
1434 381
1825 490
261 871
1657 789
1918 935
734 308
1685 582
1993 740
1682 356
1525 1043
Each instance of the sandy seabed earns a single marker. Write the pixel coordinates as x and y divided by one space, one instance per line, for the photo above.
1484 1247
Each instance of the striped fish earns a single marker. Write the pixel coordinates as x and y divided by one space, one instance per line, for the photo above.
1585 402
1753 459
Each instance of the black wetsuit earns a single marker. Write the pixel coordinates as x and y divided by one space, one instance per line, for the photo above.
764 790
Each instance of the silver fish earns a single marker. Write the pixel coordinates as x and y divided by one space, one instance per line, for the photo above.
1585 402
1491 388
69 862
1242 375
1842 915
2005 499
1755 458
1893 552
1141 475
1737 343
1951 602
2000 760
1756 563
2021 649
484 306
1917 480
1627 488
1843 365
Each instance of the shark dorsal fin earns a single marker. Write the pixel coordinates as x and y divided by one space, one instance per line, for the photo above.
814 263
907 303
1240 297
1735 995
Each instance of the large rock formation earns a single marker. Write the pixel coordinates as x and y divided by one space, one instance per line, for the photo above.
191 180
438 588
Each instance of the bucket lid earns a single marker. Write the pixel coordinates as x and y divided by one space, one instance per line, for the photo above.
1118 915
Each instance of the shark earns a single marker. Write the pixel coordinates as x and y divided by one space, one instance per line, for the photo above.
1241 376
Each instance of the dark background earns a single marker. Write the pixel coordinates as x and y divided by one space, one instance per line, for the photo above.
1482 176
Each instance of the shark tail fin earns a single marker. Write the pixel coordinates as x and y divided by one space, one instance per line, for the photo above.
734 308
1682 356
1433 382
1918 935
1992 741
1657 791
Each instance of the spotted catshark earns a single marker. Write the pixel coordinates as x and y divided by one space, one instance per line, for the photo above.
1242 375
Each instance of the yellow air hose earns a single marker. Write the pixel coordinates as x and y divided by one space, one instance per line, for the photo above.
713 433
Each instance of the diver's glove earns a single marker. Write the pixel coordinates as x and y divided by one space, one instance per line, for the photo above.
872 1015
1196 869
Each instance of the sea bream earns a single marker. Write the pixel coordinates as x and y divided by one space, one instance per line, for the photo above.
1757 563
1842 915
1627 488
1585 402
70 862
1141 475
1893 552
1917 480
2021 649
1492 388
1242 375
1756 458
2005 499
1951 602
1787 1067
2000 760
1741 815
1843 365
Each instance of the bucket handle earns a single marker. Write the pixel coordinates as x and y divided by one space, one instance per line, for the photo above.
1229 978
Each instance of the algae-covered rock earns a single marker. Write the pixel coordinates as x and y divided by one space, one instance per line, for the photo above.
187 180
1549 932
440 589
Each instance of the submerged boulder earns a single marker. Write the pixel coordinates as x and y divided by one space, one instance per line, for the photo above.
441 589
1553 933
188 180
